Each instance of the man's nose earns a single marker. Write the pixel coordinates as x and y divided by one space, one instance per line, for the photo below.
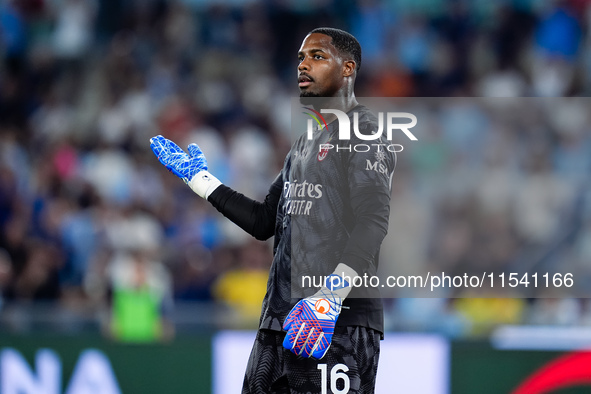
304 66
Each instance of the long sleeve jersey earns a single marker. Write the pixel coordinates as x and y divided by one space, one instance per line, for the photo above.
325 207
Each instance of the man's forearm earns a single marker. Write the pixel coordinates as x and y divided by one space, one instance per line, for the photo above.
254 217
372 215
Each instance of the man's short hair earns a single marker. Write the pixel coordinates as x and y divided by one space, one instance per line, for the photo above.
344 42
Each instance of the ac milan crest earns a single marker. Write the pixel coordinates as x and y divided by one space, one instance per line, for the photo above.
322 154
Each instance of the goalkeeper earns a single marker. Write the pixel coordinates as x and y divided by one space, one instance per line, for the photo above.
327 340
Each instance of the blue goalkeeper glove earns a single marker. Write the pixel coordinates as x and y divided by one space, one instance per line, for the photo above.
191 167
310 324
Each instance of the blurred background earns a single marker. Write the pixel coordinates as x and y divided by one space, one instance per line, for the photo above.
102 248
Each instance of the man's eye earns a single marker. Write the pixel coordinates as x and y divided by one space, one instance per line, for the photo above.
318 57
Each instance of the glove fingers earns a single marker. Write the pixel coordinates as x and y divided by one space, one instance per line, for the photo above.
307 341
156 140
323 346
196 154
173 170
168 153
289 340
164 149
310 326
292 316
314 342
157 146
163 146
300 339
194 150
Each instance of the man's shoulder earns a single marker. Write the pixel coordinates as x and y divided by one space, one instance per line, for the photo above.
366 121
365 114
367 124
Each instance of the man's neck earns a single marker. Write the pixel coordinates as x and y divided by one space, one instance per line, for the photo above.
341 103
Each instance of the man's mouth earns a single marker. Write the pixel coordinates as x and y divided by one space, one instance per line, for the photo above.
304 81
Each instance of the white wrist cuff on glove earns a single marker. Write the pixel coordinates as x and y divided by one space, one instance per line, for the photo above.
203 183
344 283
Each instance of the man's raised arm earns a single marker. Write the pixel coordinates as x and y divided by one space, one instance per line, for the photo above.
254 217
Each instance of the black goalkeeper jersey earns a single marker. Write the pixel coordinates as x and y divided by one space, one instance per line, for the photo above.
327 206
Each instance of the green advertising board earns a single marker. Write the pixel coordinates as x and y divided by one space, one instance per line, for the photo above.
62 364
181 366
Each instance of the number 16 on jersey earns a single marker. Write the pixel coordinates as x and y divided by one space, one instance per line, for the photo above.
336 373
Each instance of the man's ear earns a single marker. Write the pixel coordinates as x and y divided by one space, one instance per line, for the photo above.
349 67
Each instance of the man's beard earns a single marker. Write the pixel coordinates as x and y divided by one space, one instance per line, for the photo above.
307 93
312 99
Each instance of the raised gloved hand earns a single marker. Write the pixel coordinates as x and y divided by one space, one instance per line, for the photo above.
310 324
191 167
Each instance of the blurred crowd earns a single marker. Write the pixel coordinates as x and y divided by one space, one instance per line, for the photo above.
86 210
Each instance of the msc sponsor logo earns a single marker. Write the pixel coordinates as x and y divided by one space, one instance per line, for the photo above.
378 165
375 166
